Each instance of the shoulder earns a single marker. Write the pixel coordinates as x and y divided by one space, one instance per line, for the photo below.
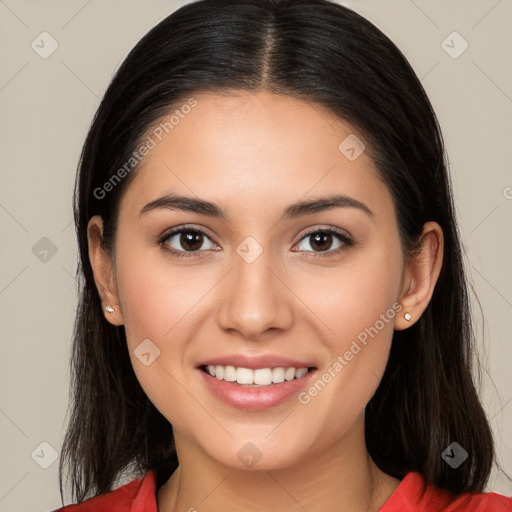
138 495
413 496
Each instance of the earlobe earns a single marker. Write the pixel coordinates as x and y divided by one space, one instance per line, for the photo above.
421 274
102 268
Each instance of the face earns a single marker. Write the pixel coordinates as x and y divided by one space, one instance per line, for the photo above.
262 286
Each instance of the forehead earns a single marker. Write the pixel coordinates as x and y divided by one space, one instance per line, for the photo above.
246 149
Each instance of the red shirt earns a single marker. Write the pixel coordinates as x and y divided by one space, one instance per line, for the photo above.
140 496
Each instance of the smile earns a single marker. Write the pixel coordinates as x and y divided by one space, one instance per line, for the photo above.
256 378
255 389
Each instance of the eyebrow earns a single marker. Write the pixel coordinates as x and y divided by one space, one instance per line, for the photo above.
203 207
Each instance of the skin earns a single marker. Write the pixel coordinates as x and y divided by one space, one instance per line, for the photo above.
254 154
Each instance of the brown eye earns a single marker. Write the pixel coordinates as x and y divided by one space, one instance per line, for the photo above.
186 240
191 240
323 240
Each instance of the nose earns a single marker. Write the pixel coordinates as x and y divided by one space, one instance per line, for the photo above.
255 299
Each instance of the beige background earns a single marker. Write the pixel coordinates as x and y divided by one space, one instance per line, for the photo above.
46 108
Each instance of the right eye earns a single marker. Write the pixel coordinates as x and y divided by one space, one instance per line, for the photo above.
190 240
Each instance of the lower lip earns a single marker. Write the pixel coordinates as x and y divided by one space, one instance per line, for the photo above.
255 398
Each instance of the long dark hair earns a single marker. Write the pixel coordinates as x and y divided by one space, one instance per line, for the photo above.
321 52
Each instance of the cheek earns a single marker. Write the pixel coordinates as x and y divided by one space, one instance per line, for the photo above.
157 296
353 297
158 305
164 302
359 306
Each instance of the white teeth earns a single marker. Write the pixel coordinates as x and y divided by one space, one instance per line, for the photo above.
244 376
289 374
230 373
219 372
277 375
263 377
301 372
259 377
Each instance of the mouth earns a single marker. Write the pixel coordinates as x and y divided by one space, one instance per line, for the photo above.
255 389
255 382
258 377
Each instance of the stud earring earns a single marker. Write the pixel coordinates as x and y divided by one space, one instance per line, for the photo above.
108 309
408 316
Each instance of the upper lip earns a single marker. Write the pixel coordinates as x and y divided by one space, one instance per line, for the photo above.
255 362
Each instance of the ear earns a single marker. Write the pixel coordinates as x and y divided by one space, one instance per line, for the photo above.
420 275
102 267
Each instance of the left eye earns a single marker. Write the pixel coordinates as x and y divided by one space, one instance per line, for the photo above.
323 240
190 240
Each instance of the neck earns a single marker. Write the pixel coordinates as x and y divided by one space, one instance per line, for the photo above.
340 473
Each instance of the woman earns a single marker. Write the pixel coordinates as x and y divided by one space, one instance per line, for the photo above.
274 312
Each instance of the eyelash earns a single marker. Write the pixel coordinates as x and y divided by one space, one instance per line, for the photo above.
345 239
